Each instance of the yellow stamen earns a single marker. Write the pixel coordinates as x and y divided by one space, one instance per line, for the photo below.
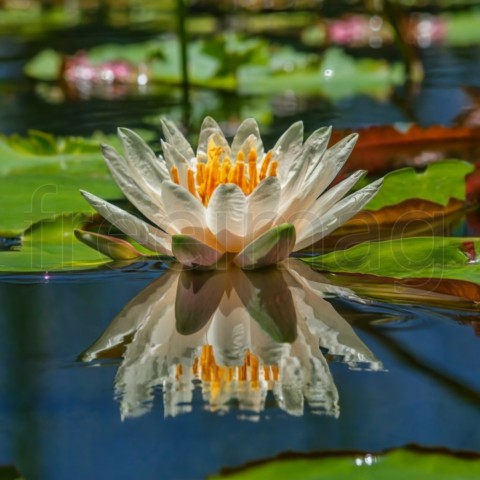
239 169
191 182
272 170
175 177
264 167
219 169
200 174
252 169
226 166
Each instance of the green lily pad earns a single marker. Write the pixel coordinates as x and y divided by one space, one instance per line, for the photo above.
423 257
439 183
50 245
41 152
40 178
398 464
26 200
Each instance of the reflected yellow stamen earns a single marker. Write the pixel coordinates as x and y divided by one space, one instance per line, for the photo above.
219 169
206 369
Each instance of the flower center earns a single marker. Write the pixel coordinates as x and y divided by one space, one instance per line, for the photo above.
219 378
219 169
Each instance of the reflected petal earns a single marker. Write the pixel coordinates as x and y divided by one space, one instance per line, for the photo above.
268 300
193 253
198 297
149 304
229 333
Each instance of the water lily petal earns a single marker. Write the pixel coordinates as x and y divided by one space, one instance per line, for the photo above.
246 137
313 229
326 201
226 216
185 212
271 247
175 137
150 205
174 159
312 153
145 234
288 148
322 172
198 297
193 253
262 205
144 163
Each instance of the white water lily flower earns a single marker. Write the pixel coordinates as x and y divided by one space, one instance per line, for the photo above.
235 334
232 201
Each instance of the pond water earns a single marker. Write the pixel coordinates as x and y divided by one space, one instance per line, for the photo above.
61 417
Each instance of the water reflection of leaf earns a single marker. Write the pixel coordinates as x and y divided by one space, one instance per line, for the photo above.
242 334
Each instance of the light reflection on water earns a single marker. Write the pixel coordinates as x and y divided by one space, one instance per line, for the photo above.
239 334
60 419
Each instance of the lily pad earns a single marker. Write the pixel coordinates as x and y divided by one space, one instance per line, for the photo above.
421 257
40 178
414 464
439 183
50 245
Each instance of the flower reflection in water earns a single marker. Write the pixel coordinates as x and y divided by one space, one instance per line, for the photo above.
236 334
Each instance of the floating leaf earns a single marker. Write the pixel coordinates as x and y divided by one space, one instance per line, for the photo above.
423 257
41 175
414 464
50 245
438 184
41 152
27 199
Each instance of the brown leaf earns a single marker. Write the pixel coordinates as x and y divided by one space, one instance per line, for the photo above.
383 148
407 219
